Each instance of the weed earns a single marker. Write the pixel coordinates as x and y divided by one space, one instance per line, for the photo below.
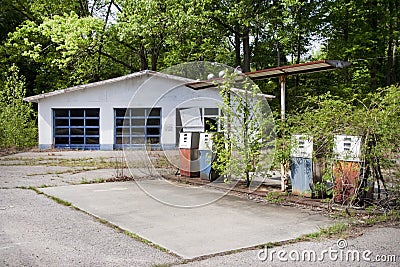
96 181
23 187
271 244
393 215
335 229
11 159
274 197
137 237
143 240
99 180
119 167
102 221
60 201
326 200
45 186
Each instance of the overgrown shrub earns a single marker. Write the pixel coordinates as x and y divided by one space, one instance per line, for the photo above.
375 118
17 118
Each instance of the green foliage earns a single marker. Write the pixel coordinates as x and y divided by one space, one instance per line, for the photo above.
17 118
275 197
283 142
64 46
364 30
322 118
243 148
166 33
321 188
374 117
337 229
57 44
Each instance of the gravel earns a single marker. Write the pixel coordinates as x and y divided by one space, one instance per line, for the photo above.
380 241
36 231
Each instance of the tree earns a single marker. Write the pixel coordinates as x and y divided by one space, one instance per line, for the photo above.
17 118
165 33
365 32
67 50
243 148
240 21
51 41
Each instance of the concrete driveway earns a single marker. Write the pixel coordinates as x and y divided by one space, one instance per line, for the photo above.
189 221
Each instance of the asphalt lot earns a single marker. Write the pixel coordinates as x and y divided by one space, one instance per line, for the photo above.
37 231
172 216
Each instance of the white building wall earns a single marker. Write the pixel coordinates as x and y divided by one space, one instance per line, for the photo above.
138 92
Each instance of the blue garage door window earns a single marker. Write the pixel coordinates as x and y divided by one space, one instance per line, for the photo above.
135 127
77 128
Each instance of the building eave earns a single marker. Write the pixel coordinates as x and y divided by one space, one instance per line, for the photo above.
37 98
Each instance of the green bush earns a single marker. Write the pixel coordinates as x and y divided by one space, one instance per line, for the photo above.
17 118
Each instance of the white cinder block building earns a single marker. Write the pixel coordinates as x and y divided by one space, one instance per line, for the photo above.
140 108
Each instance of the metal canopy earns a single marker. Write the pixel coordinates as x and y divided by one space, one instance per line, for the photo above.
202 84
281 73
199 85
308 67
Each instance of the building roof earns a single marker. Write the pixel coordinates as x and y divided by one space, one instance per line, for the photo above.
36 98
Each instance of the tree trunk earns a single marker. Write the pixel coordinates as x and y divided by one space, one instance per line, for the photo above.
246 51
391 46
395 62
154 59
83 10
298 57
389 65
238 60
143 58
298 48
345 29
373 24
396 59
278 53
129 66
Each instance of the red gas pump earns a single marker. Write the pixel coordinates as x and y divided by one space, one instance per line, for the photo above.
189 154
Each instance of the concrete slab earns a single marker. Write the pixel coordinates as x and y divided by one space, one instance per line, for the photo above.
189 221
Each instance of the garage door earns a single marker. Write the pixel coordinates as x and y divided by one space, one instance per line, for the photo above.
77 128
135 127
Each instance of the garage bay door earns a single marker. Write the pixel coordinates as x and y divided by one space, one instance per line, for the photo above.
135 127
76 128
